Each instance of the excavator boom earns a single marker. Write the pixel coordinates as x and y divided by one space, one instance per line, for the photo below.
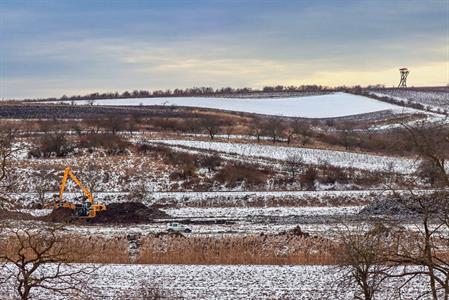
68 172
88 208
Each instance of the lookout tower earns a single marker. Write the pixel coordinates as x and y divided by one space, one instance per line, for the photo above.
404 73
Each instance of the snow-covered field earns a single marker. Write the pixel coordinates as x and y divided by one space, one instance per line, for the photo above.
222 198
309 156
436 100
238 212
226 282
322 106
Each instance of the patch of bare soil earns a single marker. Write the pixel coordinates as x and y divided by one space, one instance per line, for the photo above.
296 231
14 215
128 213
60 215
116 213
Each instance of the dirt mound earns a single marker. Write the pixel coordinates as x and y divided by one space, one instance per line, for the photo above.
408 206
60 215
116 213
295 231
14 215
128 213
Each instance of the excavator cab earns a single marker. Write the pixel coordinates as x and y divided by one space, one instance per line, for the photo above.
87 209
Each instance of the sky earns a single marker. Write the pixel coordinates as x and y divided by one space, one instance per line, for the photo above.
55 47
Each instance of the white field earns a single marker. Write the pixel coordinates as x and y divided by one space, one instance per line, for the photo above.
238 212
321 106
309 156
226 282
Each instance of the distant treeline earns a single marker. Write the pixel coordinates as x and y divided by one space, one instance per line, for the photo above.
225 91
190 92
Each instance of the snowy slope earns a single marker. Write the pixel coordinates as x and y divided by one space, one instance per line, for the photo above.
322 106
310 156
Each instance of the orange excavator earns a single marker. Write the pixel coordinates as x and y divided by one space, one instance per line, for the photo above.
88 208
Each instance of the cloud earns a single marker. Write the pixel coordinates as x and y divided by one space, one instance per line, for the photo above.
68 48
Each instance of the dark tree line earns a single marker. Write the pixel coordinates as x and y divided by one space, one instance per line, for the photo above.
190 92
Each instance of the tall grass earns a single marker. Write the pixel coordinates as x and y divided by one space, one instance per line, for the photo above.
178 249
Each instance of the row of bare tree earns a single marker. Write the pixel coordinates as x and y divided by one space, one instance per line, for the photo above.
386 251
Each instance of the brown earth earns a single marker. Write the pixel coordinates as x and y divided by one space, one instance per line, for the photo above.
14 215
128 213
116 213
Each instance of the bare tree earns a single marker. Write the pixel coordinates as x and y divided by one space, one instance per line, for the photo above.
132 124
7 151
38 258
294 163
275 128
211 125
363 257
431 144
257 128
43 186
426 249
114 123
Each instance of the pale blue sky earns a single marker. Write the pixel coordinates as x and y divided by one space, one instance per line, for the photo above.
51 48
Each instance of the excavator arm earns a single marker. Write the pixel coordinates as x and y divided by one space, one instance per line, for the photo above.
68 172
88 209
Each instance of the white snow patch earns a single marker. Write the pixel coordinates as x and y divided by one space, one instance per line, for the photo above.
310 156
321 106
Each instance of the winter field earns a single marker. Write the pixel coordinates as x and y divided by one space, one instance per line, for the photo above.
225 282
263 213
311 156
436 99
321 106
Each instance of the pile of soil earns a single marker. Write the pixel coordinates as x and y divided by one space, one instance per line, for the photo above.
405 207
116 213
60 215
295 231
14 215
128 213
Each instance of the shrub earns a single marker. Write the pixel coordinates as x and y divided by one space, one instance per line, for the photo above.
333 174
153 149
210 162
234 175
52 145
113 144
309 177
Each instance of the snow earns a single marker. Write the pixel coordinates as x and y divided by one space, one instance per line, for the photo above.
228 282
239 212
310 156
321 106
437 101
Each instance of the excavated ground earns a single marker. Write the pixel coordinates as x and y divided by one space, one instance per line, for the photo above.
116 213
128 213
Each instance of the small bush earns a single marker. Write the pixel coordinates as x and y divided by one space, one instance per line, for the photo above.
333 174
234 175
50 145
309 177
113 144
210 162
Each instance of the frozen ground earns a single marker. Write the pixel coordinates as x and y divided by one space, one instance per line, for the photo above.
309 156
229 198
238 212
437 101
227 282
322 106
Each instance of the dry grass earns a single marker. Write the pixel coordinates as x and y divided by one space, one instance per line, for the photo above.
179 249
